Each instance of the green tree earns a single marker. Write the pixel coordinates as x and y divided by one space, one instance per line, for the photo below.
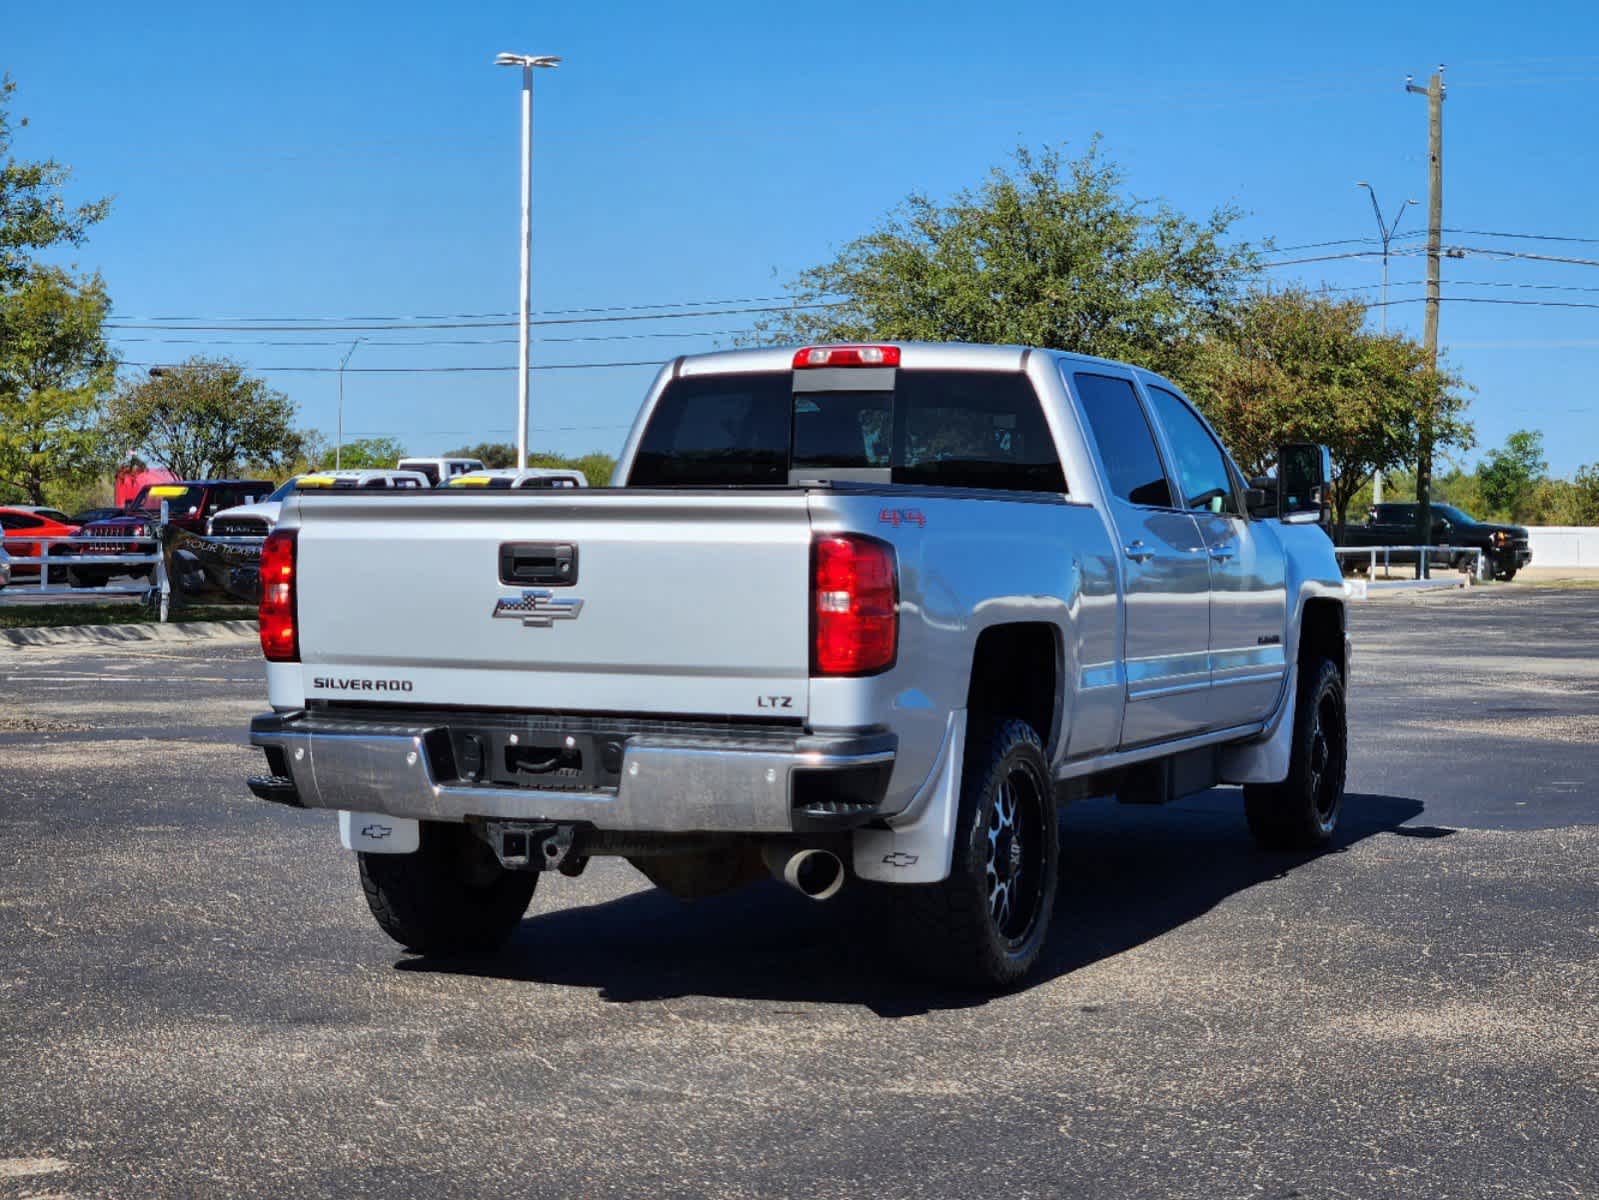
366 453
55 371
1510 474
1585 506
596 466
203 419
33 215
1051 252
490 454
1293 366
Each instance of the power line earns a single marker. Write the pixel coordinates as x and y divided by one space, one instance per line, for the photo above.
548 312
401 344
589 366
374 328
1291 262
1486 283
479 431
1494 252
1487 300
1538 237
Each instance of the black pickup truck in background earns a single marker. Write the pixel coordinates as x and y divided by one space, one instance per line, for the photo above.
1505 547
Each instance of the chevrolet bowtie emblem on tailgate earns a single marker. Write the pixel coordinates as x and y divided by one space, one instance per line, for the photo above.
538 608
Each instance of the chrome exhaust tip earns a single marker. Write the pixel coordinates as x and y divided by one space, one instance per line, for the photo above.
817 874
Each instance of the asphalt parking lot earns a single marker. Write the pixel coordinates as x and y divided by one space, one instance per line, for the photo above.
195 1002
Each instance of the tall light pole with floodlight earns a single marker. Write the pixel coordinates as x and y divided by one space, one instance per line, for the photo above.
527 62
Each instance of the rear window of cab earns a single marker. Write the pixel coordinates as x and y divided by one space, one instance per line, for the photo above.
968 429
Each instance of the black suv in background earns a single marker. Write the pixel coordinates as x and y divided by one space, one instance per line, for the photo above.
1505 547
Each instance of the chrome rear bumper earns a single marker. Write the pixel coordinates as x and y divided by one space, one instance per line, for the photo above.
668 785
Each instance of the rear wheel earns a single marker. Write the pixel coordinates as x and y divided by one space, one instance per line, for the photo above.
987 923
1301 812
82 577
449 897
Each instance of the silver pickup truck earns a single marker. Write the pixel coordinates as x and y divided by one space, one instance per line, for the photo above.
860 613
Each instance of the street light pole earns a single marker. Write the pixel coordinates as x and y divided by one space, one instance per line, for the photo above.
527 62
1386 234
338 445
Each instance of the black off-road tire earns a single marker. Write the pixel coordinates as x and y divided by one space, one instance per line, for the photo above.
1301 812
987 923
1507 574
80 577
449 897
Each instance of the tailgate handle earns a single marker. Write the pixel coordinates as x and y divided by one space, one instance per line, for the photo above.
551 564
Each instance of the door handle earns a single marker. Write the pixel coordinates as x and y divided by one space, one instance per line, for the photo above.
1138 552
1222 553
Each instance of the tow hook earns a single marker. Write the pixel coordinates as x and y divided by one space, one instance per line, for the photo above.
525 846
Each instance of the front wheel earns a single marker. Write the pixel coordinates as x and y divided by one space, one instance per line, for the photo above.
1301 812
987 923
80 577
450 896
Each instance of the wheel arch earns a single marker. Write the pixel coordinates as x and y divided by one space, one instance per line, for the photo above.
1321 634
1016 671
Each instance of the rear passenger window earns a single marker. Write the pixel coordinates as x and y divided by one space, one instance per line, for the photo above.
976 429
717 429
1126 445
1201 465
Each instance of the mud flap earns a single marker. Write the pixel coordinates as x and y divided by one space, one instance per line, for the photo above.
379 833
1266 758
917 846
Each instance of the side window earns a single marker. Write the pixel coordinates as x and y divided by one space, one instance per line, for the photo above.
717 430
1201 466
19 521
978 429
1126 445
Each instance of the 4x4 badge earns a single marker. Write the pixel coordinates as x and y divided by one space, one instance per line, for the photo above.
538 608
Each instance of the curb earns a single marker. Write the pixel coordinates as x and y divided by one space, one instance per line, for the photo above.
109 635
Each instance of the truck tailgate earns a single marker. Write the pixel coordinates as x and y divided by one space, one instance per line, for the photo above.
677 602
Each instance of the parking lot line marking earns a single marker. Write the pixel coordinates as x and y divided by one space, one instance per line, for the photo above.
179 679
21 1168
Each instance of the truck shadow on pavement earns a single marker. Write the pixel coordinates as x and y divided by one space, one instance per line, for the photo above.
1128 875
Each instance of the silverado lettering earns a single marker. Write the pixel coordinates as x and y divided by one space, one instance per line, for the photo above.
323 683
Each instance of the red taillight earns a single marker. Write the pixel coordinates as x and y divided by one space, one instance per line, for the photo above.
280 640
846 356
854 605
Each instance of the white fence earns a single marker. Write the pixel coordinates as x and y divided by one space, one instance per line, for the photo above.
1564 545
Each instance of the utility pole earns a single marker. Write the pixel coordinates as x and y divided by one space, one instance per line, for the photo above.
338 444
528 62
1385 232
1434 91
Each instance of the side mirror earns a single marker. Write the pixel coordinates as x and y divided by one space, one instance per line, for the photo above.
1260 502
1304 484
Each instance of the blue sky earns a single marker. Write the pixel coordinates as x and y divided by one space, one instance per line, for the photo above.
360 160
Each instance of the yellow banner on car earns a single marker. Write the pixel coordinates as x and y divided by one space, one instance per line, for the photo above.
316 481
166 491
470 481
